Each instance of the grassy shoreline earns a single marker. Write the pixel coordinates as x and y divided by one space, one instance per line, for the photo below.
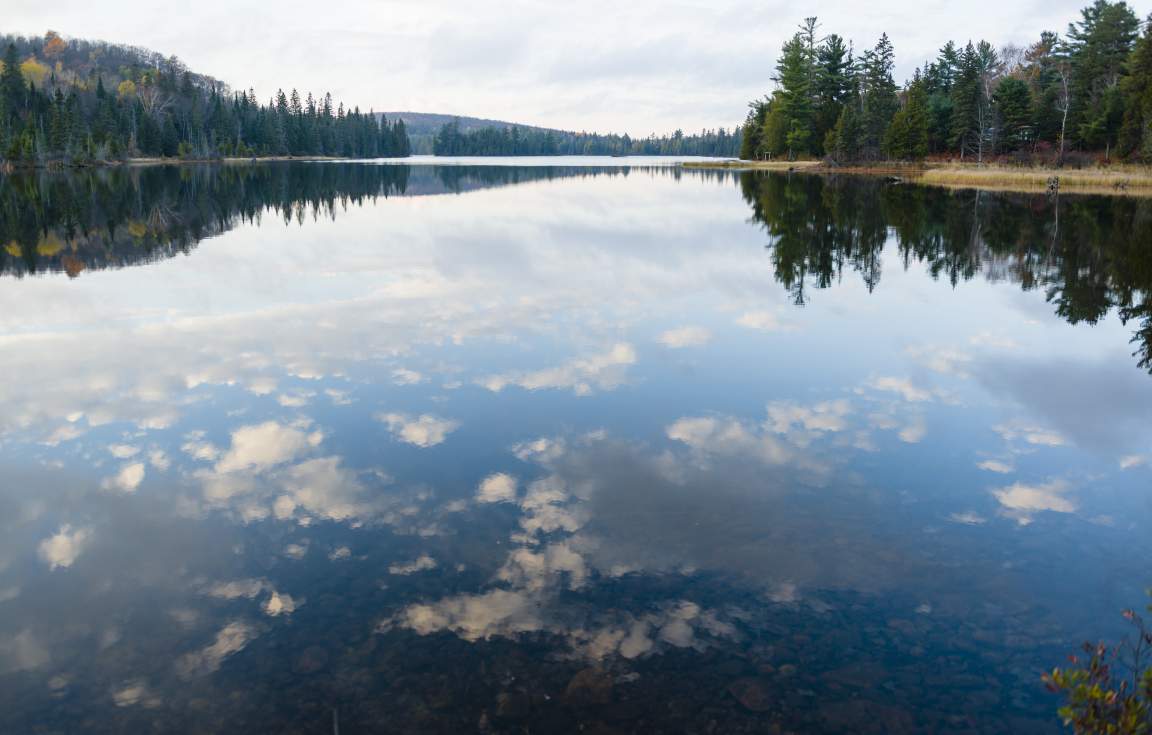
1121 179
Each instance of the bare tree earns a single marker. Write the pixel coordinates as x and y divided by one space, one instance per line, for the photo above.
1063 103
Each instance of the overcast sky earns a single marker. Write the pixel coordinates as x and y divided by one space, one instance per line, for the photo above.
636 66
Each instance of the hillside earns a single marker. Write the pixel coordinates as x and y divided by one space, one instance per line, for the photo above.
423 126
75 101
454 135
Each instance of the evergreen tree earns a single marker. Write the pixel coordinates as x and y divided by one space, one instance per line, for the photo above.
1013 104
878 97
753 130
843 141
907 136
1136 132
834 86
12 87
1098 47
792 103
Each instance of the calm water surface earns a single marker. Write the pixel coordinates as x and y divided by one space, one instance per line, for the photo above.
604 448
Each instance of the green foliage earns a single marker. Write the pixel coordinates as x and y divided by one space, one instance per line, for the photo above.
1013 101
514 140
907 136
1090 91
753 130
1136 131
1110 690
843 141
879 102
1098 47
159 108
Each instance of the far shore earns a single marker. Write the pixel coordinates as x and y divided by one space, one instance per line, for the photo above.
158 161
228 159
1121 179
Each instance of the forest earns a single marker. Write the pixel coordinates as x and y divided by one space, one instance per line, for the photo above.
1082 96
74 101
515 140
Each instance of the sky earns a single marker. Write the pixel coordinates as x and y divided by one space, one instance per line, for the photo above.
639 67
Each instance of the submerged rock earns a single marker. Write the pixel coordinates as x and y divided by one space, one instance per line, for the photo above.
589 686
752 692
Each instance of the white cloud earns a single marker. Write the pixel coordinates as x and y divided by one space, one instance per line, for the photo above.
22 652
294 400
404 376
135 692
200 450
943 360
279 603
266 445
764 321
1034 435
1021 500
728 437
236 589
498 488
902 386
296 551
583 376
127 480
420 431
685 337
323 487
1132 461
64 547
997 465
828 416
159 460
915 431
473 617
123 451
263 385
232 638
422 563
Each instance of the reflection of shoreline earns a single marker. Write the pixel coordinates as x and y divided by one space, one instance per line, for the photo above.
1085 252
119 217
1118 180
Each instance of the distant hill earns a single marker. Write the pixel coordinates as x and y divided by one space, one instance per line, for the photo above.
476 136
430 122
423 126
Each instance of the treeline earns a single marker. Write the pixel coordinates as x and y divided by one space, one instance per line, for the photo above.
1088 91
79 101
516 140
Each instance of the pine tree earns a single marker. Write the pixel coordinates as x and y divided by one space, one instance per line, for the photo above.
1136 132
1098 46
793 100
967 103
878 97
1013 104
843 141
12 87
907 137
833 86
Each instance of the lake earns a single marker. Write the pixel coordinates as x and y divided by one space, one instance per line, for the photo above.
599 446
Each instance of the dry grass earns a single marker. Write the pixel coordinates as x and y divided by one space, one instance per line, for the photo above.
1116 179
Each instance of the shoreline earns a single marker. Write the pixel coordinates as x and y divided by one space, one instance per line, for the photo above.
1118 180
156 161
